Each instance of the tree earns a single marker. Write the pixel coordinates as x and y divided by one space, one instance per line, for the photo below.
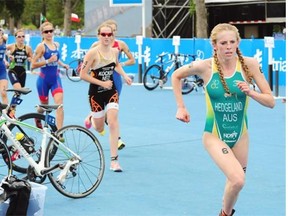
201 19
15 10
26 13
69 7
199 7
31 15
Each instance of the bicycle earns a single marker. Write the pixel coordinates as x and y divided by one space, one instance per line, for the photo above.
59 156
6 167
73 73
157 75
38 119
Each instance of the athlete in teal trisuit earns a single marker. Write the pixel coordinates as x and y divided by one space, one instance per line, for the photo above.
227 78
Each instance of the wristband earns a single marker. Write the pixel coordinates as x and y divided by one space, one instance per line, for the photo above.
46 61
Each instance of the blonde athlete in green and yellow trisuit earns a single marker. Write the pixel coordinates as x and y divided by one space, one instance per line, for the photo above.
227 78
226 115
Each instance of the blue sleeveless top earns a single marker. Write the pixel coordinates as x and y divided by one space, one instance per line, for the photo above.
2 56
50 70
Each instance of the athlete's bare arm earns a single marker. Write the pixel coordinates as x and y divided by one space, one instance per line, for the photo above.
263 97
29 53
89 61
39 52
124 48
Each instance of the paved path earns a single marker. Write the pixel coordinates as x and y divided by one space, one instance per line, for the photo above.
166 169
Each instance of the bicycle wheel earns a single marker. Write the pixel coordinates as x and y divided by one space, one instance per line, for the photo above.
81 179
20 164
5 161
188 85
73 73
152 76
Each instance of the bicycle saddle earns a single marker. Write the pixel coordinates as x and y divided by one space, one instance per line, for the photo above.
48 108
20 91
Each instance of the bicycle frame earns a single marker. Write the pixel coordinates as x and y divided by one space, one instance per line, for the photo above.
174 63
39 168
158 74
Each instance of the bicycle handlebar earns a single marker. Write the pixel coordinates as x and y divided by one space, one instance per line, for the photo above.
174 57
183 55
3 112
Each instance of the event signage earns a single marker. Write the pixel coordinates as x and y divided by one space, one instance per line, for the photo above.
118 3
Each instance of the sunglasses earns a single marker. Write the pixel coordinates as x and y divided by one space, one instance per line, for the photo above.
20 36
106 34
48 31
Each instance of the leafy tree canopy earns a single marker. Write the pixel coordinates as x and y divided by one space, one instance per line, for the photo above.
27 12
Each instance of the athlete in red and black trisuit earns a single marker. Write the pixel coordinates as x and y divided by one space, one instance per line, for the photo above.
103 96
123 48
100 97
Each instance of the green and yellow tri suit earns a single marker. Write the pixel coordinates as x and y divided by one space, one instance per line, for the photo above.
226 116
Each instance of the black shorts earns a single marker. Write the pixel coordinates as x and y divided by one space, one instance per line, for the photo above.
100 100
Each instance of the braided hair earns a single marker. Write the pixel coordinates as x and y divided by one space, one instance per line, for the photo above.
227 27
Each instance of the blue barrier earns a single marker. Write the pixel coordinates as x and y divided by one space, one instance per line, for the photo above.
153 47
